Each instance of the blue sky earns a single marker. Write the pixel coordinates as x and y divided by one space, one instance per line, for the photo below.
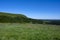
37 9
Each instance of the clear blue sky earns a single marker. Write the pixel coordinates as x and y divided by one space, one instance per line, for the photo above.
38 9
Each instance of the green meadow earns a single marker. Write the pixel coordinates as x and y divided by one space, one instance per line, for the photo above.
17 31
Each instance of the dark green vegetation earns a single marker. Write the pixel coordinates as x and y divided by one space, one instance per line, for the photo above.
16 31
20 18
12 18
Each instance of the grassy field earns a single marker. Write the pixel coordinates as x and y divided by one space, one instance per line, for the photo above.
16 31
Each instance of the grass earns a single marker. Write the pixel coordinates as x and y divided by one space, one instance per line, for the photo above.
16 31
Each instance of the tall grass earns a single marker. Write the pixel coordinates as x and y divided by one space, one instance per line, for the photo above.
16 31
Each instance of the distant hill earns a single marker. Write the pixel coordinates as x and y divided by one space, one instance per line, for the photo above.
20 18
12 15
9 17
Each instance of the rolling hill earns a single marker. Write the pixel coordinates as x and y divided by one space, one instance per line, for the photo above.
20 18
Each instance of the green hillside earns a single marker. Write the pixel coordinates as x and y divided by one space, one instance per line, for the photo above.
21 27
9 17
12 15
16 18
20 18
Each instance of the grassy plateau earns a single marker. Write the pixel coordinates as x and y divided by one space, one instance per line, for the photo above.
17 31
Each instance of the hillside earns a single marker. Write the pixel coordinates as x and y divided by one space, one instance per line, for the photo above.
12 15
9 17
20 18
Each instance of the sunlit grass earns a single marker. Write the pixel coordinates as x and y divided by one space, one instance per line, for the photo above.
16 31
